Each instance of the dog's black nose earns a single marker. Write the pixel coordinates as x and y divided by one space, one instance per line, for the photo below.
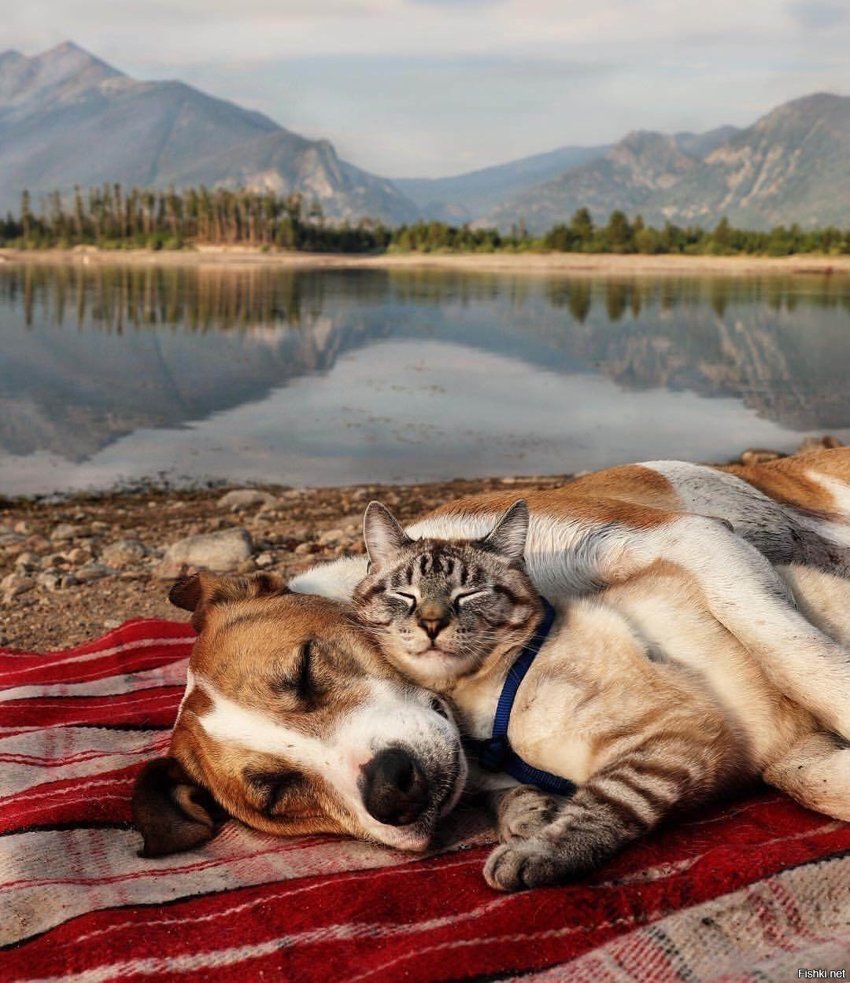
395 790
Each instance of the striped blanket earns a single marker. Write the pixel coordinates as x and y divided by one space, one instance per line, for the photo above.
756 889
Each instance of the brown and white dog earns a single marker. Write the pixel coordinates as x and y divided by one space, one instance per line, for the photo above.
294 723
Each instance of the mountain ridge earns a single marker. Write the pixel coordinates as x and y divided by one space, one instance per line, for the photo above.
790 165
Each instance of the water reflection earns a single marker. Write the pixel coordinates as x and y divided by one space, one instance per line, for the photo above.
351 375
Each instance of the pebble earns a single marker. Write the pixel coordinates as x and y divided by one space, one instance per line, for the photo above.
78 556
265 560
217 551
15 584
331 536
27 561
92 571
760 455
64 532
827 442
49 580
246 498
304 549
124 553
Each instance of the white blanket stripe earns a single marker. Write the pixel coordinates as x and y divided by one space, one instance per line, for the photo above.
116 876
91 750
188 962
170 674
90 656
730 936
237 858
288 892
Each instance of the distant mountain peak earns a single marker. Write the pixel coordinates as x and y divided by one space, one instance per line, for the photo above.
65 46
57 75
69 58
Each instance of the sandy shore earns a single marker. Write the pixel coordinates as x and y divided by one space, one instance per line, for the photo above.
572 264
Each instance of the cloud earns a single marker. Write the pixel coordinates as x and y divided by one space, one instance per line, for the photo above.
817 15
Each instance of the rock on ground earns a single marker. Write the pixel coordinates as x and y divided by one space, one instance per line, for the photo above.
246 498
218 551
123 553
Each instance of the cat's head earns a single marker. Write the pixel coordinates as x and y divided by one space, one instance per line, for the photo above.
443 609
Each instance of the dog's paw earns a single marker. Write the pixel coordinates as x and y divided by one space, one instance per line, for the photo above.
523 812
522 865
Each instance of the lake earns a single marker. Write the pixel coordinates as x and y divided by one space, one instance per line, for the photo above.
116 374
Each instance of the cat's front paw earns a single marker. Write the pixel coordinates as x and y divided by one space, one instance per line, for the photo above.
522 865
523 812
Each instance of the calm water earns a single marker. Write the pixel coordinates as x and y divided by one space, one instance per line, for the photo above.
115 374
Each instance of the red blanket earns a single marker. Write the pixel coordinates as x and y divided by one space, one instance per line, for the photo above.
758 885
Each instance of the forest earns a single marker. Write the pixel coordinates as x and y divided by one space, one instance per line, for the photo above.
110 217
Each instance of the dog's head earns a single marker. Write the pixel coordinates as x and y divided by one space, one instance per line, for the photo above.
293 723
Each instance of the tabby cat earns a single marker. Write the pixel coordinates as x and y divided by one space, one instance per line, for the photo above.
638 695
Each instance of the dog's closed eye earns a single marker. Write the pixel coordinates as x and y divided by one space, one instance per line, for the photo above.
299 680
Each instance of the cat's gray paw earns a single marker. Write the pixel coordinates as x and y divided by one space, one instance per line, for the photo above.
522 865
523 812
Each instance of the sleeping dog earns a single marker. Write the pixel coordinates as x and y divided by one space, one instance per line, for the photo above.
294 722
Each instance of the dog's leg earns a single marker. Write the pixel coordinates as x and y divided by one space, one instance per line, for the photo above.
815 772
747 596
618 804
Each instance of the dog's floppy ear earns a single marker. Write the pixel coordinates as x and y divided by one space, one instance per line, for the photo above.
198 591
171 811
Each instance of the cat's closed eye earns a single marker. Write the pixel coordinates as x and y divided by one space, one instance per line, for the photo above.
407 599
462 599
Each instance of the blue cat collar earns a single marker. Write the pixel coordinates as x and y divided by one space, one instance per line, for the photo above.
495 754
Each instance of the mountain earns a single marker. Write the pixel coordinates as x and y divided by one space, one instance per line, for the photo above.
68 118
465 197
631 175
789 166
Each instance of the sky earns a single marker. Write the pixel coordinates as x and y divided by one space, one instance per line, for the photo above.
427 88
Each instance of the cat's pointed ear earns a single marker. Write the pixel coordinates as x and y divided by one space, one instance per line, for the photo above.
510 533
382 534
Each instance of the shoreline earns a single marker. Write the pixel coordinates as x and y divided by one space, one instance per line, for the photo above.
571 264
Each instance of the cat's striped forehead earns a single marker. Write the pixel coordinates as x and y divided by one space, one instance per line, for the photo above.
434 562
